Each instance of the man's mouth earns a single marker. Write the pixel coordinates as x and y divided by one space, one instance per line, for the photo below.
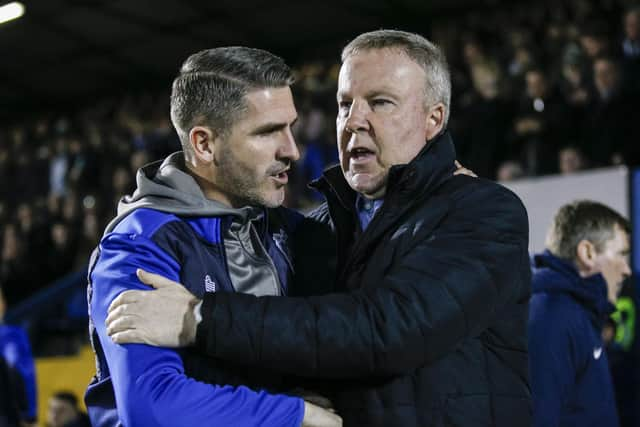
361 155
281 177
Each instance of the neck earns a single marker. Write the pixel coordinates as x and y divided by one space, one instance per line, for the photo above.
209 188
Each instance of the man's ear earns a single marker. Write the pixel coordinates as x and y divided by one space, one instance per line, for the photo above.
435 120
203 143
585 256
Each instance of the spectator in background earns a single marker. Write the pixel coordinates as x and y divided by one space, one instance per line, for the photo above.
594 40
63 411
484 122
14 270
510 171
610 126
541 124
631 41
571 160
631 50
16 354
58 169
576 281
320 150
63 250
573 83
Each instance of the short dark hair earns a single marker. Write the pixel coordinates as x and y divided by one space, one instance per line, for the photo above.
211 86
583 220
66 396
420 50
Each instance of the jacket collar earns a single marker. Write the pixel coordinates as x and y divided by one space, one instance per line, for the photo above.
433 165
555 275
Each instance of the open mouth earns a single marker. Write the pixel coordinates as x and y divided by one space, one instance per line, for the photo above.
359 155
281 177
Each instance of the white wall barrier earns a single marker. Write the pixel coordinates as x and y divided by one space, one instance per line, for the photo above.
543 196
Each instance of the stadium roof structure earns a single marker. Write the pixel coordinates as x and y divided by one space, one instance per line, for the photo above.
65 52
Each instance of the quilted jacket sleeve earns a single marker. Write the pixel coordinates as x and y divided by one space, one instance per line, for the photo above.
444 289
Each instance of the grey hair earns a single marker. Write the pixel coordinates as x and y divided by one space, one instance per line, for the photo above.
426 54
211 87
583 220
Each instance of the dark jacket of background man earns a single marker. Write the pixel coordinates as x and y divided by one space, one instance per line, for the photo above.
431 325
570 377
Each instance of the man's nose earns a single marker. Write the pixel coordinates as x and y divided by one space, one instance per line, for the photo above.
289 148
357 118
627 269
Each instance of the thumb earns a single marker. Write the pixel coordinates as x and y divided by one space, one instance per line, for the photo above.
154 280
457 163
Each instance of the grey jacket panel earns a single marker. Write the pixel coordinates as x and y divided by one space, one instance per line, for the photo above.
167 186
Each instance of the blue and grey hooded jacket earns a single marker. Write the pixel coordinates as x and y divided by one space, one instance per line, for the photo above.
570 377
170 228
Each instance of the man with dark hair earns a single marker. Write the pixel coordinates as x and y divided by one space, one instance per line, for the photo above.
63 411
576 280
610 128
209 217
428 323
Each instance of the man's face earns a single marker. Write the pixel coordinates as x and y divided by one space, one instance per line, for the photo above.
605 75
60 412
253 160
536 84
632 25
382 120
613 262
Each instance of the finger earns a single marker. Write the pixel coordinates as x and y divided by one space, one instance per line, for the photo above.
121 311
457 163
126 297
129 336
120 324
154 280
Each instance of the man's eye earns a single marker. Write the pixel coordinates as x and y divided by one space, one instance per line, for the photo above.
381 102
344 105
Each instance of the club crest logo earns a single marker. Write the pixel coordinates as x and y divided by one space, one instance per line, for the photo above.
209 285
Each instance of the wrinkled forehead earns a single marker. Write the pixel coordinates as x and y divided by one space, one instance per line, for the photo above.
379 67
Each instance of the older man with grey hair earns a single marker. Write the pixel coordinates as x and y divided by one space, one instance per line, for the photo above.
425 322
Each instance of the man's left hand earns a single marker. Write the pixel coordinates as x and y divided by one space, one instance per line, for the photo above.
163 317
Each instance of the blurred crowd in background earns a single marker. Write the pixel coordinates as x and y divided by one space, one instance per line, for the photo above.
538 88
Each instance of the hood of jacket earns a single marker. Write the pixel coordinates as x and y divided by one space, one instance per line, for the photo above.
167 187
556 276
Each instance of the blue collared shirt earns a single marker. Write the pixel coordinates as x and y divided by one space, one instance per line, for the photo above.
367 208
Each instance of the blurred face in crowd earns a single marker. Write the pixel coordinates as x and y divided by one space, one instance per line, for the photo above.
593 45
605 75
472 52
251 163
632 25
382 118
60 412
570 160
485 81
536 84
60 235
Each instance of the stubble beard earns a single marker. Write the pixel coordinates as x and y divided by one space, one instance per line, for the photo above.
240 182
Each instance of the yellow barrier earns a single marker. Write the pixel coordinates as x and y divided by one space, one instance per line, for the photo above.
71 373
